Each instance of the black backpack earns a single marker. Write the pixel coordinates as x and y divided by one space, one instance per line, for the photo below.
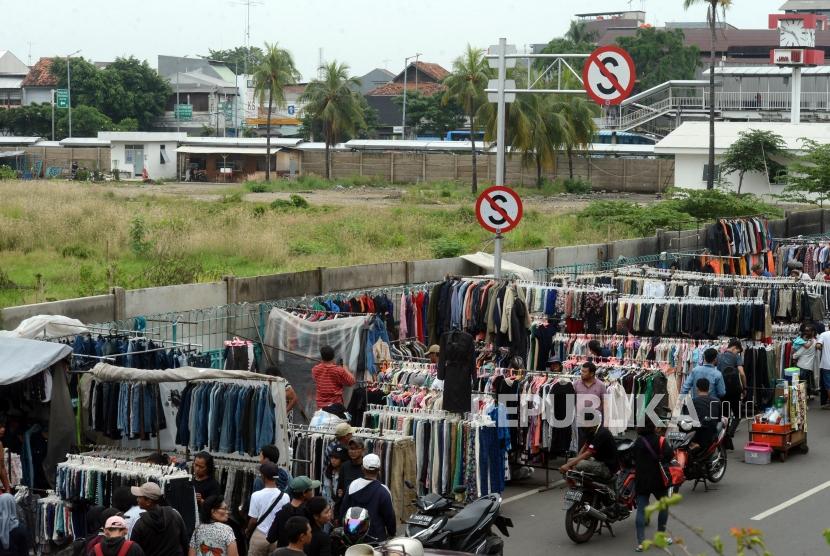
732 382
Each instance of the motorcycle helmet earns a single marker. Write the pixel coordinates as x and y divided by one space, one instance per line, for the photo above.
355 525
402 546
686 425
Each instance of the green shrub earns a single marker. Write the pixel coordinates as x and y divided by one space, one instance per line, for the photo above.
281 204
231 198
298 201
82 174
444 248
257 187
577 186
715 203
139 245
305 247
77 251
643 220
259 211
7 173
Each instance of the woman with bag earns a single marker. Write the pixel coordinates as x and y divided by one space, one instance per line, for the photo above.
652 454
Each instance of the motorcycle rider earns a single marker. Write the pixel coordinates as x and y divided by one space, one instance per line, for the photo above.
598 455
648 453
708 414
708 371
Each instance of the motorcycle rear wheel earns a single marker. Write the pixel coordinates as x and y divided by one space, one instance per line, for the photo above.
580 529
717 468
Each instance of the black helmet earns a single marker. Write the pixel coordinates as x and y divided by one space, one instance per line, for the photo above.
355 524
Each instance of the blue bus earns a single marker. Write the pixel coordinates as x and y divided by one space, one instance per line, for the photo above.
623 138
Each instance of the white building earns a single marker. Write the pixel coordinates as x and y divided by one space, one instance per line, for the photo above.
689 144
132 152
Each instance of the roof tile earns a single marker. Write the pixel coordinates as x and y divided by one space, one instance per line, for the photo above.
396 89
40 75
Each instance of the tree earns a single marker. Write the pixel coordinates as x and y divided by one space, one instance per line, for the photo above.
660 56
429 114
335 105
578 33
712 19
87 121
276 70
465 86
127 88
547 131
34 120
754 151
809 176
579 113
239 58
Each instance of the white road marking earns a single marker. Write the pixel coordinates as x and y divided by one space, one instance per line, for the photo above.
531 492
790 502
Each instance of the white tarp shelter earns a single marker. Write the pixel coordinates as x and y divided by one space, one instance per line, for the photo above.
21 358
46 326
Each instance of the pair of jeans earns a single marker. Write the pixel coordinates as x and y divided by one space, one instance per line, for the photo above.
825 385
228 427
640 520
267 422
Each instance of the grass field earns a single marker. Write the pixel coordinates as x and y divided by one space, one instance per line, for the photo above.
62 239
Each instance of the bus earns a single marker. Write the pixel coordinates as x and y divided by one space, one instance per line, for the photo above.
463 135
623 138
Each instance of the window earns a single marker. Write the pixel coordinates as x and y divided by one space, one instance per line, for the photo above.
163 157
706 172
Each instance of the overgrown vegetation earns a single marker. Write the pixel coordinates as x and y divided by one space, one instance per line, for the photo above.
7 173
683 209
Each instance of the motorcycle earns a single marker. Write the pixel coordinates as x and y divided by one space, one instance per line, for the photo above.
709 465
440 523
591 504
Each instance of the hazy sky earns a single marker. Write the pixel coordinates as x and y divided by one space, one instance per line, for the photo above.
363 33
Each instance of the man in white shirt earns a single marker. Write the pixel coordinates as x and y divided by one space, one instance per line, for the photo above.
823 344
264 506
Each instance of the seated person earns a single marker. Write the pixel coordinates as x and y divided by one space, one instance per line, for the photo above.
708 414
598 455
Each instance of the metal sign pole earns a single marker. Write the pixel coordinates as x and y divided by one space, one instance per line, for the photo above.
500 147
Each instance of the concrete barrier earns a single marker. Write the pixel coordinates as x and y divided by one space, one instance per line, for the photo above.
805 222
98 308
437 269
363 276
183 297
580 254
274 286
535 259
632 247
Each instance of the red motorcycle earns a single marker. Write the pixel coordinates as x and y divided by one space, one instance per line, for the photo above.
591 504
708 465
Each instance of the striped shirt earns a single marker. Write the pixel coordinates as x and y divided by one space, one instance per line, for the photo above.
330 379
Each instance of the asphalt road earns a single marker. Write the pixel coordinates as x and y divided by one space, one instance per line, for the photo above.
747 492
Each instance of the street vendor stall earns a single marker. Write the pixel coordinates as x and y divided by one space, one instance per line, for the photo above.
783 427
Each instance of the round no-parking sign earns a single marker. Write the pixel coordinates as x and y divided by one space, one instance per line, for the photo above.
608 75
499 209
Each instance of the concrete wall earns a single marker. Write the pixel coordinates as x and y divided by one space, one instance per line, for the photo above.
99 308
152 159
183 297
616 174
688 173
190 299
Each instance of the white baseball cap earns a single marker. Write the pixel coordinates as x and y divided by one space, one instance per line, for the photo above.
371 462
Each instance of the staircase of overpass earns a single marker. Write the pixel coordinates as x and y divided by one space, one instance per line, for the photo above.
659 110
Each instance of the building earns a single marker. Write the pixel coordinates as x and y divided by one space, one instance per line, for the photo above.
600 22
818 7
374 79
39 83
12 73
207 89
218 159
134 152
420 77
689 144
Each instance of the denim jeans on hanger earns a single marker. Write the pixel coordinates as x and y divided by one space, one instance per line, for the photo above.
228 427
267 421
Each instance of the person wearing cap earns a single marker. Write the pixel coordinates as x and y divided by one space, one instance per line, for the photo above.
271 454
433 352
353 468
160 531
555 364
342 436
372 495
796 270
333 489
115 542
301 489
759 272
330 379
265 504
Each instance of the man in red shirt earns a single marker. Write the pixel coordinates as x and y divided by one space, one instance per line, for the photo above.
330 379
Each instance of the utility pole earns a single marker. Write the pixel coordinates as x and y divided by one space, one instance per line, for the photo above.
417 55
405 76
69 90
53 114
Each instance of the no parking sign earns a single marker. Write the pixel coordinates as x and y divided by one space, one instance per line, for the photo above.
499 209
609 75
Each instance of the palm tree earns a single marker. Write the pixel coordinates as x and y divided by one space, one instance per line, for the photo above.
334 104
465 85
579 113
578 33
275 72
712 18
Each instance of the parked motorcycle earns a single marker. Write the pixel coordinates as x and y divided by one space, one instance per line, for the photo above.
440 523
707 465
591 504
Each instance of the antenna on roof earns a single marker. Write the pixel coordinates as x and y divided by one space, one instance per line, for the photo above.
247 4
30 53
320 72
